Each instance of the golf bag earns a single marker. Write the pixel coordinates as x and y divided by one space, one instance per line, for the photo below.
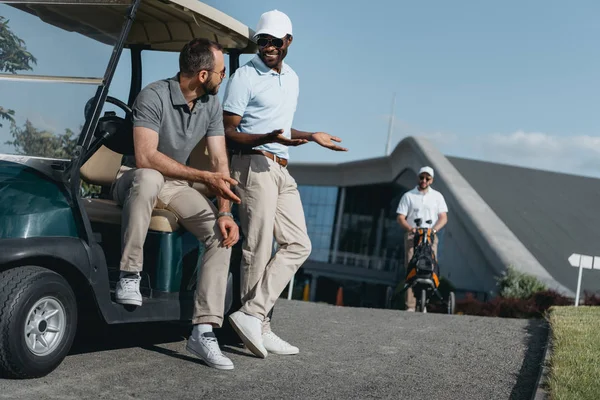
423 264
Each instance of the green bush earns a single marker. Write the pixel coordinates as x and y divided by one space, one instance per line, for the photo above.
519 285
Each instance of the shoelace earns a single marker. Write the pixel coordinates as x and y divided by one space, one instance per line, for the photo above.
213 346
277 338
129 284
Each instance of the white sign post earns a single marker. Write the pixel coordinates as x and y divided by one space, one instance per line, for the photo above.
580 261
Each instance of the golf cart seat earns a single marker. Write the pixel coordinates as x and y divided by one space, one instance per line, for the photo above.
102 168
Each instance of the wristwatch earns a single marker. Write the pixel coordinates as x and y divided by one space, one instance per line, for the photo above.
225 214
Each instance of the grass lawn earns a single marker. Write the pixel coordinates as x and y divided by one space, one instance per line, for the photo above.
574 371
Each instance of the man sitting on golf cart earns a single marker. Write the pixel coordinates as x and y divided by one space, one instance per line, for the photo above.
424 203
170 117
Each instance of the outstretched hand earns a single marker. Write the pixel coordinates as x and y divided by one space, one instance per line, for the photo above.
277 137
326 140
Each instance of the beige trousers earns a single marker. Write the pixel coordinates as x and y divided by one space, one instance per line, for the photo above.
139 191
270 207
409 250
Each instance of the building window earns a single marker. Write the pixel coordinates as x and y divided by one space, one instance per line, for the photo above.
370 236
319 203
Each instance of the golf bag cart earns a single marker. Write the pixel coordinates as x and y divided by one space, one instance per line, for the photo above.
423 272
60 230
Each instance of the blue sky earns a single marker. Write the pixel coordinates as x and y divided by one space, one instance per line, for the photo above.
514 82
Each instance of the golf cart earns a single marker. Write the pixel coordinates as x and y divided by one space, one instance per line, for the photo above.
60 231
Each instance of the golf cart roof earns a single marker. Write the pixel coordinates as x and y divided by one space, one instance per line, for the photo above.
163 25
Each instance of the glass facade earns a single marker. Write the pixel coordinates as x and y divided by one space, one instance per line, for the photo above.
319 203
368 235
355 226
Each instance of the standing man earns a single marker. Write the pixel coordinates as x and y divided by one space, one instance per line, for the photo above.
259 106
170 117
425 203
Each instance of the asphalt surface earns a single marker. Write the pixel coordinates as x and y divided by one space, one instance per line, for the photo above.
345 353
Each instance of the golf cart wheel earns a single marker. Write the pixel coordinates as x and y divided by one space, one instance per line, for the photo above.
38 320
451 303
423 301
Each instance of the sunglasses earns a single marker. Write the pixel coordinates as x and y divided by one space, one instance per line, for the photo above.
424 178
221 73
264 42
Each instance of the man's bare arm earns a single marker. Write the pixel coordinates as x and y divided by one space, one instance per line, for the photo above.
403 223
322 138
296 134
147 156
219 163
248 140
441 222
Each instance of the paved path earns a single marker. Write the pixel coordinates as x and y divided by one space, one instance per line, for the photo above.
345 353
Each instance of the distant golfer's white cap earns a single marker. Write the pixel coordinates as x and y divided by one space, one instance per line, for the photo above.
427 170
274 23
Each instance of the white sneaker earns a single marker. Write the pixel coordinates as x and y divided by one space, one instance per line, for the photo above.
207 348
249 330
275 344
128 290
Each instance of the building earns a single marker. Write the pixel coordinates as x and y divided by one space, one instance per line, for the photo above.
499 216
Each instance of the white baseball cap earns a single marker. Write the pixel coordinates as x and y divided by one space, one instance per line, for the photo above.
274 23
427 170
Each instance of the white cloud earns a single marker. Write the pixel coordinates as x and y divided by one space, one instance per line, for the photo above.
530 143
577 154
571 154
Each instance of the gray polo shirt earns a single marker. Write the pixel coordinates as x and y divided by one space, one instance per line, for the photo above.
160 106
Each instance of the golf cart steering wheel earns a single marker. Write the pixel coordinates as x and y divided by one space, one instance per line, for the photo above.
120 104
113 131
112 100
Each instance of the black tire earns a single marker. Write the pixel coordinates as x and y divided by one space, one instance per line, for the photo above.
423 301
451 303
21 289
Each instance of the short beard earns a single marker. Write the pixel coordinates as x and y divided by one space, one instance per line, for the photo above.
210 91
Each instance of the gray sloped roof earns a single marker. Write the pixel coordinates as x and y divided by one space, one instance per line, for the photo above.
495 245
552 214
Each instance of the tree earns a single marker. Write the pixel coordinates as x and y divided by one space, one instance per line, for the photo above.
34 142
31 141
13 57
28 140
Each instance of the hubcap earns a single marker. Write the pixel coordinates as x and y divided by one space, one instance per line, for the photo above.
45 326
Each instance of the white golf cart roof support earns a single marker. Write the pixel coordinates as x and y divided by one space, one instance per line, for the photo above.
50 79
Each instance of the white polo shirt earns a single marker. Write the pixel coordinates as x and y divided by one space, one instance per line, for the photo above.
415 204
265 99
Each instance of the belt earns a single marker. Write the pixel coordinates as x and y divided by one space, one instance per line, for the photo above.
281 161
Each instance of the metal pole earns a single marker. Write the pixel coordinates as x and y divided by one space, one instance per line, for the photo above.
234 60
578 283
338 224
136 74
391 127
291 288
313 288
